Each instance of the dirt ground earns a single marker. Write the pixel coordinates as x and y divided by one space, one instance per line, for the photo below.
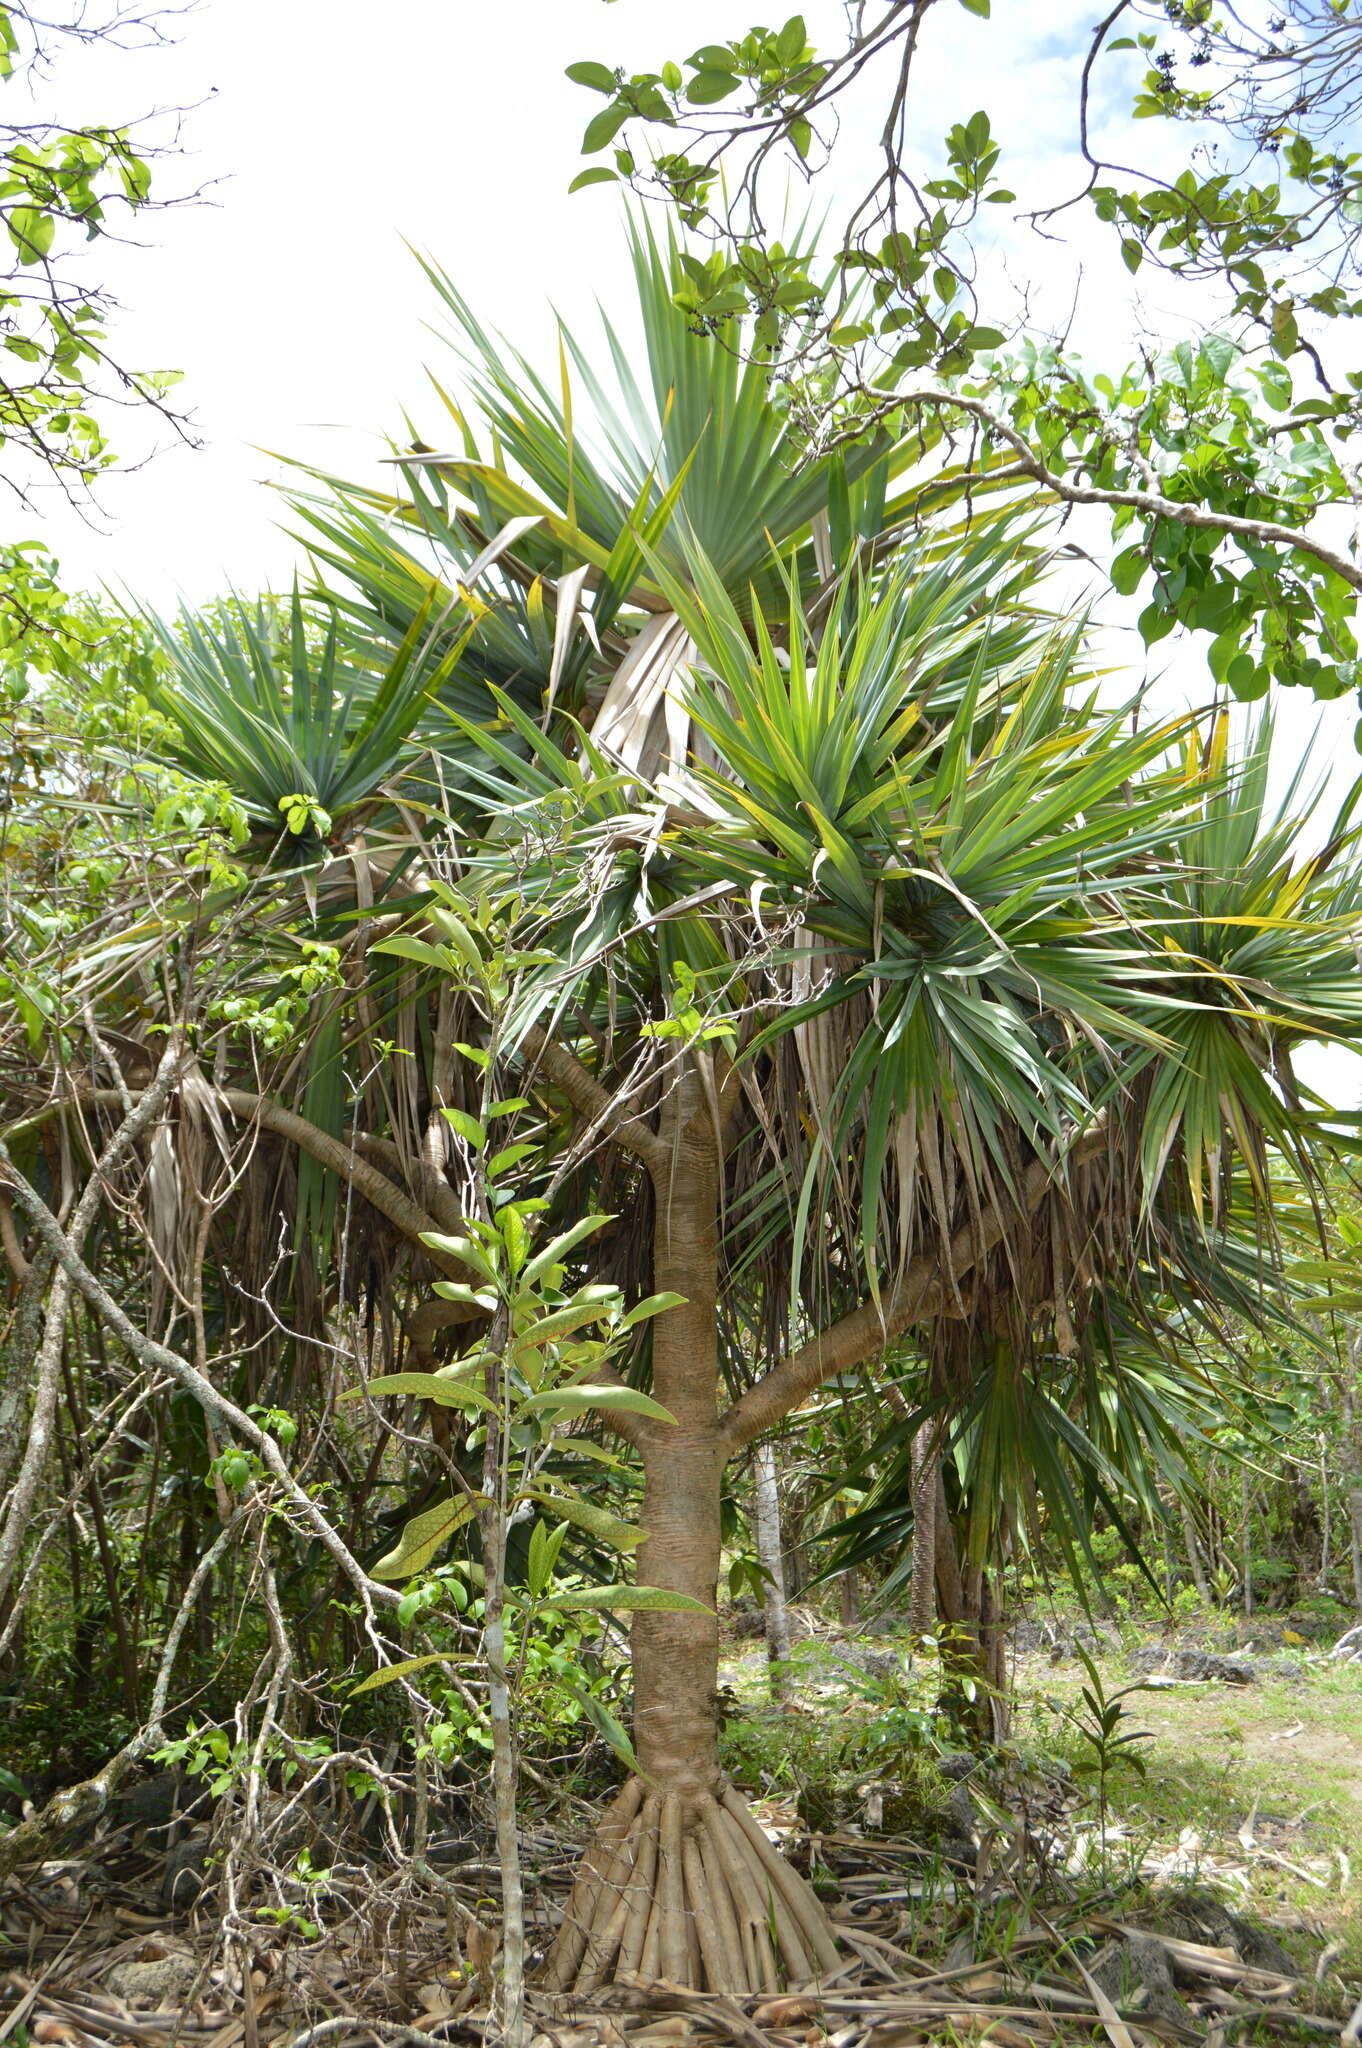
1264 1735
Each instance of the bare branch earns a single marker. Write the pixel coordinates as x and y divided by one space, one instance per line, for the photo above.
215 1404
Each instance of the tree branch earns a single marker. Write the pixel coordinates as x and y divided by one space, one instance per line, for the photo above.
594 1102
1153 503
160 1358
922 1293
410 1217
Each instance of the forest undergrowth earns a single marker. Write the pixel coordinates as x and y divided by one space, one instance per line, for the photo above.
1187 1872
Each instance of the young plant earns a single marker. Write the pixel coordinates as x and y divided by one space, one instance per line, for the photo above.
1101 1727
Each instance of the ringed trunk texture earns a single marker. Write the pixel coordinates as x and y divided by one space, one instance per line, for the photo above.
680 1883
676 1656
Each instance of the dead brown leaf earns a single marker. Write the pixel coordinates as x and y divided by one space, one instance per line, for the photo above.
785 2012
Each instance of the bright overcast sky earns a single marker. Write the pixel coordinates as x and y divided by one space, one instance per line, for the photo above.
331 133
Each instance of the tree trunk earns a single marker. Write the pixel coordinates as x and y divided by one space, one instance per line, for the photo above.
771 1556
1352 1438
973 1668
680 1882
926 1460
1194 1563
676 1656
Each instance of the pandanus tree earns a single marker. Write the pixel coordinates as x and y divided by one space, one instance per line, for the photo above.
882 991
910 1016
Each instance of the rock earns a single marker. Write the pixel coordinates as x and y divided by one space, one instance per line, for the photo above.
155 1802
957 1765
1139 1976
164 1979
1193 1664
863 1657
1200 1916
182 1878
453 1849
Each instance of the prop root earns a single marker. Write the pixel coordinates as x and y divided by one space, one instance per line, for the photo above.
686 1887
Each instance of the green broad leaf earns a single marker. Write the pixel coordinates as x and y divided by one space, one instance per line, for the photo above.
1219 354
557 1250
509 1156
559 1322
601 131
1127 570
707 87
979 7
1275 379
577 1400
456 934
403 948
1223 650
426 1386
542 1560
599 77
583 1514
1132 255
468 1127
390 1673
464 1250
604 1723
1246 679
626 1599
595 1454
31 232
1155 623
654 1305
421 1538
459 1290
793 39
597 175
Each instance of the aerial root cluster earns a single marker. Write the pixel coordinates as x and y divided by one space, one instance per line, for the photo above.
686 1887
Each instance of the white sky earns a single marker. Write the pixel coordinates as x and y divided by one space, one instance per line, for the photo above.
332 132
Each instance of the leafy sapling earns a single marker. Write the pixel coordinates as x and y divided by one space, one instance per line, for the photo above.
1108 1742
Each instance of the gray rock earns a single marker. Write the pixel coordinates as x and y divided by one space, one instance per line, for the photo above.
1193 1664
957 1764
183 1875
1138 1976
1200 1916
163 1980
865 1658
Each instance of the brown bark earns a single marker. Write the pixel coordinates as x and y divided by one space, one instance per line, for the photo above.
921 1293
926 1459
972 1638
682 1883
676 1656
1193 1548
